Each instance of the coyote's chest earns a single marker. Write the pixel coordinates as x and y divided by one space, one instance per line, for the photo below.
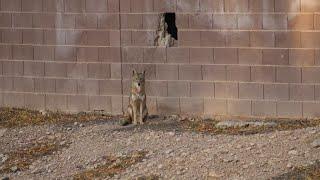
138 97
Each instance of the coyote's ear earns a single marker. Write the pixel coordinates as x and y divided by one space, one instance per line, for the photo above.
134 72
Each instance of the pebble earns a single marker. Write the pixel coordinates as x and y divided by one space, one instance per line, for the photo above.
62 143
239 146
179 172
69 129
14 169
2 132
292 148
3 158
313 132
169 151
171 133
293 152
213 174
75 123
227 160
289 165
224 152
316 143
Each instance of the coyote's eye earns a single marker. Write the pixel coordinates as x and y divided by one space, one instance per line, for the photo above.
138 84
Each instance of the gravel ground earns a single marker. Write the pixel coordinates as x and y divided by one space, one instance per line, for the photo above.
172 153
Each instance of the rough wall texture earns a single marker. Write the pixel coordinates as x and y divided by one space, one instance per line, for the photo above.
233 57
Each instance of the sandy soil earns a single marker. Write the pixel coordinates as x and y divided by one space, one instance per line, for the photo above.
172 153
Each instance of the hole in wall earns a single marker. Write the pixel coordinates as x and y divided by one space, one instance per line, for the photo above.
170 19
167 32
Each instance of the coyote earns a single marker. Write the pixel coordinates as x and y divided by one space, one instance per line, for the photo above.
137 100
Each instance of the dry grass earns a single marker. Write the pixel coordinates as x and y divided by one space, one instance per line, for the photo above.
23 158
311 172
112 166
208 126
15 117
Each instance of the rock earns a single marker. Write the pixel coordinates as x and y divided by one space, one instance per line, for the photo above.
169 151
214 175
4 178
171 133
81 125
313 132
62 143
69 129
75 123
316 143
240 146
43 112
3 158
289 165
14 169
293 152
180 172
224 151
292 148
2 131
241 124
227 160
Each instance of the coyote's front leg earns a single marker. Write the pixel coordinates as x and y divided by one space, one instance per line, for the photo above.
141 112
135 113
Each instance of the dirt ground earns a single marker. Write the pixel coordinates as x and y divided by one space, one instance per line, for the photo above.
163 148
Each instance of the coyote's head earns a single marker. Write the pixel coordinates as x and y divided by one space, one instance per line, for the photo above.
138 82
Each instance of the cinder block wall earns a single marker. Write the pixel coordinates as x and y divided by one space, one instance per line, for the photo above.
233 57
